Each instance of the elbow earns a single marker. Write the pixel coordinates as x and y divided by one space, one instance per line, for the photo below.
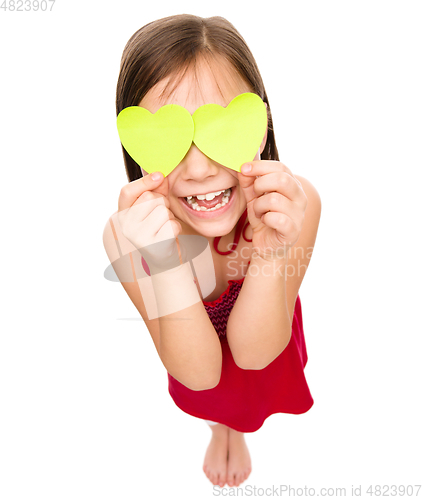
203 386
251 364
200 383
257 362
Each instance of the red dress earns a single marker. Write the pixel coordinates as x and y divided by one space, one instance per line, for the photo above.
243 399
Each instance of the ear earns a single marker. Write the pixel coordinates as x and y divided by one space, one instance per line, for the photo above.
263 142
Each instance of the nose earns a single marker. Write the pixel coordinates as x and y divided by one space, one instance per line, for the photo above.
197 166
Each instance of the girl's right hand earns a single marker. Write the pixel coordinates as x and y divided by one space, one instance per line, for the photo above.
148 223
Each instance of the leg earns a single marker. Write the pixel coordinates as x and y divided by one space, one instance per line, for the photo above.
216 458
239 461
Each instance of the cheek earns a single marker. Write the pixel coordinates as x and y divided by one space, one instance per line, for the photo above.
234 173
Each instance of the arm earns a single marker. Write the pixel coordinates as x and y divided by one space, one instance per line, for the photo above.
260 324
186 341
189 346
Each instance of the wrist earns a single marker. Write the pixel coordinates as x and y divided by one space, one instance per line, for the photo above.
160 260
262 266
174 290
271 256
164 265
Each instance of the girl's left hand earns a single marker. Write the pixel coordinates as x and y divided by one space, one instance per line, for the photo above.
276 205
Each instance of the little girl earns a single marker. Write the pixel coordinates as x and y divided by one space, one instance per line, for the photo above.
237 355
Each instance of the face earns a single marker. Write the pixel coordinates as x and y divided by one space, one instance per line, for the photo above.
197 174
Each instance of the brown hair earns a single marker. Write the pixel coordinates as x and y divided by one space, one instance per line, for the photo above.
171 45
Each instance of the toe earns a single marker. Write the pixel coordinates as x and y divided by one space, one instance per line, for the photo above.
206 471
221 480
230 479
239 479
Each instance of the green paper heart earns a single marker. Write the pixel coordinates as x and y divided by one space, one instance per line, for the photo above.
159 141
231 136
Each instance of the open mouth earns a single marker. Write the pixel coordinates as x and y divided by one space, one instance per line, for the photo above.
217 204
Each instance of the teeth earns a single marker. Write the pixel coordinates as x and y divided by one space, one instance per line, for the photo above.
208 196
195 205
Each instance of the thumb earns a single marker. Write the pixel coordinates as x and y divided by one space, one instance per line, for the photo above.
247 185
163 188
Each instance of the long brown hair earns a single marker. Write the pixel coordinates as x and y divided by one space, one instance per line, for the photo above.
170 45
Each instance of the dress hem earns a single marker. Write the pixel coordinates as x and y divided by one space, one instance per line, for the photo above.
221 421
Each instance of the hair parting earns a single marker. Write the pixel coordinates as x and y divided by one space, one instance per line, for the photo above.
169 47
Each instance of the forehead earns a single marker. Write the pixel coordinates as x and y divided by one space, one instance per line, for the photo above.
203 82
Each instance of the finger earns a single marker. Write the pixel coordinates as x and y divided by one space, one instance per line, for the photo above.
247 186
130 192
169 231
146 228
280 182
164 246
143 206
286 230
163 187
261 167
156 221
272 165
275 202
151 196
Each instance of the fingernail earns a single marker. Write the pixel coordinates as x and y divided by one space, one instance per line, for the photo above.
246 168
156 176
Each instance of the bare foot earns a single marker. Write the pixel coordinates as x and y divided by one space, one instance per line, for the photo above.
239 461
216 459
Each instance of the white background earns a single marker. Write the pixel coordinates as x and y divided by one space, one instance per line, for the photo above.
85 411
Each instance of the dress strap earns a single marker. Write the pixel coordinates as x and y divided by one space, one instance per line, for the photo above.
238 231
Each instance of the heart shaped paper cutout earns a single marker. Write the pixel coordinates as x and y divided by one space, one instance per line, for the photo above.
159 141
231 136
